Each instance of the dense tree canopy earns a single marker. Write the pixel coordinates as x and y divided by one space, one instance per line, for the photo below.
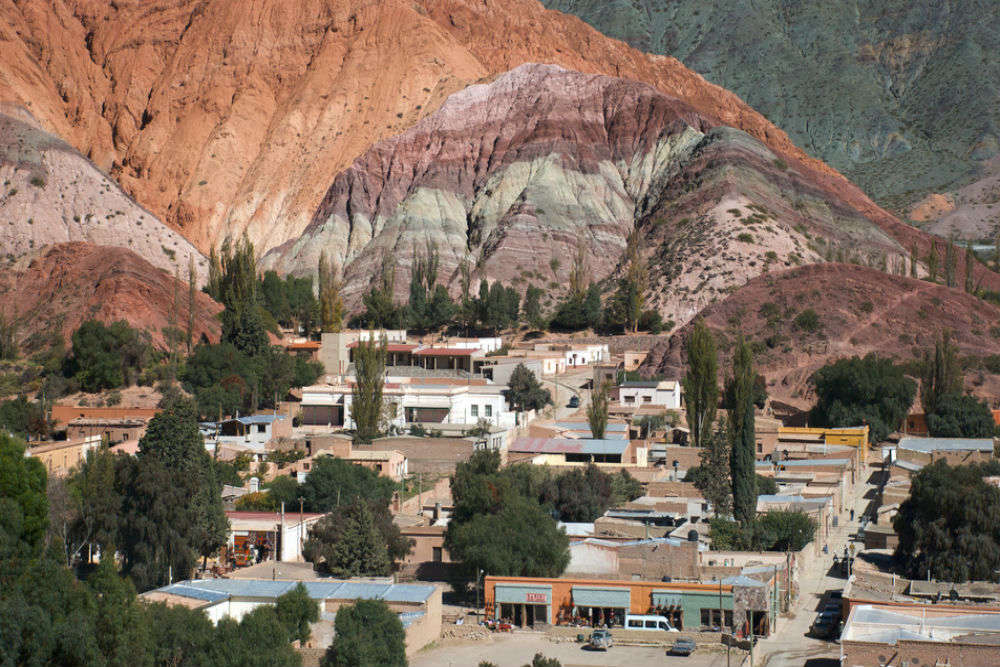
50 618
296 610
106 357
960 416
358 540
525 392
949 527
856 391
333 482
368 634
777 530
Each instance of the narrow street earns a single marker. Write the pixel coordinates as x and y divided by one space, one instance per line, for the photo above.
564 386
790 645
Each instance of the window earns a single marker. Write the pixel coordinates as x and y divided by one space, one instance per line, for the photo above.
437 554
475 410
651 625
630 399
261 428
633 623
647 399
710 617
488 410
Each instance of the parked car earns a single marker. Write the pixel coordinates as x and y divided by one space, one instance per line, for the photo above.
574 402
682 646
601 640
648 622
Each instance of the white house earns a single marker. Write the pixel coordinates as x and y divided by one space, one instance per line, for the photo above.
251 433
664 393
413 402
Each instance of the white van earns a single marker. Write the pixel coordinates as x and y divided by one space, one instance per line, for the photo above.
651 622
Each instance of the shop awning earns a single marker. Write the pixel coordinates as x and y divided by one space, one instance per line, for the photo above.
599 596
523 594
666 599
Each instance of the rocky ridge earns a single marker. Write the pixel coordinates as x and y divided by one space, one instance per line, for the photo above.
860 310
512 175
901 96
224 116
49 193
49 293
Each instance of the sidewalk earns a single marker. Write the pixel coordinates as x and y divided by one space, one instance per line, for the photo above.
789 646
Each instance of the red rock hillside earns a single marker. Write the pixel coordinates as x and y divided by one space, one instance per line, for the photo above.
68 283
860 310
224 115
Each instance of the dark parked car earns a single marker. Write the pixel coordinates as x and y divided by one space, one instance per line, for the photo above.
682 646
574 402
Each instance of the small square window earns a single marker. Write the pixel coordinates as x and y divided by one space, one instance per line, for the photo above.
475 410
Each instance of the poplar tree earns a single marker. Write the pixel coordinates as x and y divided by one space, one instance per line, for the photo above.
597 411
941 375
970 260
367 409
742 468
701 384
331 305
192 302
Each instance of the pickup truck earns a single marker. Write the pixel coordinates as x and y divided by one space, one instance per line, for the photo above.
601 640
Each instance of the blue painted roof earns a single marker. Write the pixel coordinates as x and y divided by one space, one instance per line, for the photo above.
219 589
745 582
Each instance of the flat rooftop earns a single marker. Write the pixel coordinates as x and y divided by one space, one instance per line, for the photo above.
568 446
946 444
887 625
215 590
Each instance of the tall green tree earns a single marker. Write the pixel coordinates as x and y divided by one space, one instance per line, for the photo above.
855 391
296 610
533 307
349 545
331 304
712 477
525 392
334 482
597 411
107 357
942 373
122 630
172 511
368 634
701 383
949 527
742 457
24 506
367 405
236 287
961 416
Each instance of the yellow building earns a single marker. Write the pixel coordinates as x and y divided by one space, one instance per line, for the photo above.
60 457
855 436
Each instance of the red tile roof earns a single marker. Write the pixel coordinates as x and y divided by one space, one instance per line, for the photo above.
445 352
305 345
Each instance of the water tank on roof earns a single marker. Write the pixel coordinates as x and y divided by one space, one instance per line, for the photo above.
692 536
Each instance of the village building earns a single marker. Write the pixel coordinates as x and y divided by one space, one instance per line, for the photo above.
413 401
255 537
662 393
605 452
112 431
61 415
740 603
60 457
418 605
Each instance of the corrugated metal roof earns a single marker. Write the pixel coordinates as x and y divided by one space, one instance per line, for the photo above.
815 462
569 446
946 444
908 465
584 426
217 589
744 582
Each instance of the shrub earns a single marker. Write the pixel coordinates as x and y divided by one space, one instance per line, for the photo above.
37 181
867 307
807 321
745 238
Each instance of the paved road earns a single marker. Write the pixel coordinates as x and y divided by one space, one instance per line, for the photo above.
517 649
562 387
790 646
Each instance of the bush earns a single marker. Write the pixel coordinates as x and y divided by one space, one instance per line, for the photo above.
961 416
745 238
367 634
807 321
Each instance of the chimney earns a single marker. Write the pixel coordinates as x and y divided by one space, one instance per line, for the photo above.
437 511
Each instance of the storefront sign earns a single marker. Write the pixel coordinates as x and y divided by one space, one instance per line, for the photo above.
536 597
